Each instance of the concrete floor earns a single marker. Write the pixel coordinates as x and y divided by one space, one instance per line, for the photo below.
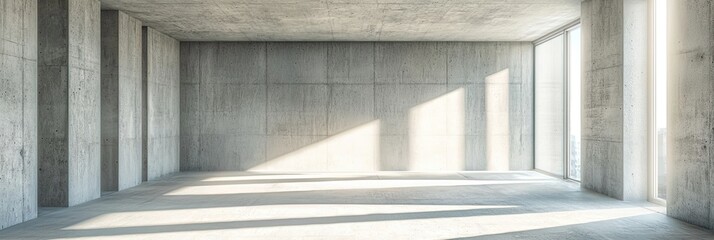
388 205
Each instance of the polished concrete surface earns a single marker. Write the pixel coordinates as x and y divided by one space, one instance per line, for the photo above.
385 205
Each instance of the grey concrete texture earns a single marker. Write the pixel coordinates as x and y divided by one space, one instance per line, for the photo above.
615 100
110 100
690 188
384 205
69 102
52 90
358 106
18 105
121 101
339 20
162 91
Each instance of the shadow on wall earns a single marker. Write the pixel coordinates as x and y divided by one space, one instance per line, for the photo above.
440 135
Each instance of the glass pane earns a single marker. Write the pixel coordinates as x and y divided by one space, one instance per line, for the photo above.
549 106
661 98
574 67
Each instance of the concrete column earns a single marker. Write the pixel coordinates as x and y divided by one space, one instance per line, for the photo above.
690 113
615 90
18 111
68 102
121 101
161 109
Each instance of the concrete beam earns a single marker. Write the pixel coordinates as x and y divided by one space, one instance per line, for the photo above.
69 102
339 20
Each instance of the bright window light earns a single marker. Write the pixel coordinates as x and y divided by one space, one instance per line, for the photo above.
660 98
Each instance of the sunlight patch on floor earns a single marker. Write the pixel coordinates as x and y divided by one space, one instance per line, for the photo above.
261 213
332 185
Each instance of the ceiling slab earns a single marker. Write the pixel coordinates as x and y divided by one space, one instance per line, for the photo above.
343 20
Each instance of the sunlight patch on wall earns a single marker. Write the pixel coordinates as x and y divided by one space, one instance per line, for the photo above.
356 149
497 122
436 133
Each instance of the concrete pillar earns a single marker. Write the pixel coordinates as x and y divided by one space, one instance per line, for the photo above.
690 113
615 90
18 111
68 102
161 109
121 101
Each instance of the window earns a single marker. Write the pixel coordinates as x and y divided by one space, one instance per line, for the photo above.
574 95
557 103
550 106
658 192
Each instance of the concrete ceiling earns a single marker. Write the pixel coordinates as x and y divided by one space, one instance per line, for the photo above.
345 20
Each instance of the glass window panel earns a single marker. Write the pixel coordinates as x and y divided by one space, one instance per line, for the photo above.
661 99
549 106
574 94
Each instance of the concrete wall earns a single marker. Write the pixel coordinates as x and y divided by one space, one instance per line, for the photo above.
69 102
690 188
356 106
615 94
18 105
121 101
161 81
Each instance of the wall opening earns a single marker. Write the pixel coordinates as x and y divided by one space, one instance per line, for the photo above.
658 192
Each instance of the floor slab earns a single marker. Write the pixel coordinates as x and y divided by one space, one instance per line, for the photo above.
385 205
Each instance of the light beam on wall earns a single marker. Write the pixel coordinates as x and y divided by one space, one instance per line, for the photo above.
436 133
497 122
356 149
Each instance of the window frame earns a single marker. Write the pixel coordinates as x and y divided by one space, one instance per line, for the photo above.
653 135
566 164
565 32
